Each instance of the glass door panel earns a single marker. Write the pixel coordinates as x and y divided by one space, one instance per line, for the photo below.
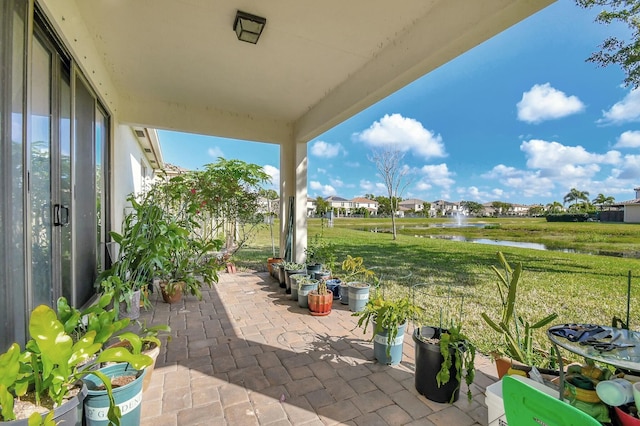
64 192
40 175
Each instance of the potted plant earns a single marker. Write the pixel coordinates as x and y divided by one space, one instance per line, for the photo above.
187 264
389 318
320 300
295 286
139 251
516 332
305 285
63 349
144 341
355 275
291 268
443 357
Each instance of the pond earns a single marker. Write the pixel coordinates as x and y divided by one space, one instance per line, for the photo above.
506 243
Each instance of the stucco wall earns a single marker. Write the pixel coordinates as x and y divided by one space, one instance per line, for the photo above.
632 213
128 160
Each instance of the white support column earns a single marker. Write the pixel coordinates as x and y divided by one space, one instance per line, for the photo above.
293 182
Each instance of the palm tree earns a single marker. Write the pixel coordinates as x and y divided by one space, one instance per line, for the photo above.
574 196
602 201
554 207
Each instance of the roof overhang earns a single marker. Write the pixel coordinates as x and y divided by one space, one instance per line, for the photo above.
178 65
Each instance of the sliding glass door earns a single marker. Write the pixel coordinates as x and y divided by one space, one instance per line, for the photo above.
54 136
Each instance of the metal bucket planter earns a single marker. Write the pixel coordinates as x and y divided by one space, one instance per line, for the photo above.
321 275
303 293
344 293
281 275
380 344
133 310
358 296
288 273
312 268
294 285
69 413
127 397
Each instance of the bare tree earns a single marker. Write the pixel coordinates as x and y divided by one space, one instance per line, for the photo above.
394 172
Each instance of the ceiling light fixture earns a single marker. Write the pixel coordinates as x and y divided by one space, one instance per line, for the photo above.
248 27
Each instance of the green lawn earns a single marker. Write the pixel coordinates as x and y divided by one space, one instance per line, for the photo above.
579 287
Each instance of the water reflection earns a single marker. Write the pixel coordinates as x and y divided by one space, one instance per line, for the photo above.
506 243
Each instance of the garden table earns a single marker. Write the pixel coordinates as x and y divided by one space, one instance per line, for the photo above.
609 345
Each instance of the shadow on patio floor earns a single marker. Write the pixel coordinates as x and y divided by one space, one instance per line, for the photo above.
247 355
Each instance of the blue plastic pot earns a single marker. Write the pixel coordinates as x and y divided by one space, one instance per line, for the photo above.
358 296
127 397
334 286
380 345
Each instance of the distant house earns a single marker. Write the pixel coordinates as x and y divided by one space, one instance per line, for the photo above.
518 210
412 204
489 210
311 206
442 207
632 208
341 204
361 202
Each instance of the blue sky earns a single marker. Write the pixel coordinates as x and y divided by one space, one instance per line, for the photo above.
522 118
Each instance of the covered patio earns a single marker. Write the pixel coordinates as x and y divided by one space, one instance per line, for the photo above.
248 355
162 64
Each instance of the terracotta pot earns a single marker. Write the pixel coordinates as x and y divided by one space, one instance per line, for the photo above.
271 261
503 364
175 296
320 304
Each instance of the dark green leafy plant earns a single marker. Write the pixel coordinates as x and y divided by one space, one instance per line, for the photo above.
464 354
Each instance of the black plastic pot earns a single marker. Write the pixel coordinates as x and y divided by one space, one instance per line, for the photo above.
428 361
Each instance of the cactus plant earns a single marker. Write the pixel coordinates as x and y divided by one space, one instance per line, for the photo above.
516 331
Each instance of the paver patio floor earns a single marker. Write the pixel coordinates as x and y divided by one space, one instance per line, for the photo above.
248 355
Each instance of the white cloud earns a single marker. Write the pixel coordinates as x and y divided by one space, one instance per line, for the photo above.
336 182
543 102
323 171
555 156
325 190
476 194
351 164
423 186
571 173
629 139
526 183
326 150
630 169
274 172
438 175
405 134
375 188
627 110
215 152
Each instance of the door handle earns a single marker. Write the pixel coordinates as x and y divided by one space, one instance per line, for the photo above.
60 215
64 215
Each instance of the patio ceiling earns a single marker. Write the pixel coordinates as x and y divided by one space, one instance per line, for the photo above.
177 64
